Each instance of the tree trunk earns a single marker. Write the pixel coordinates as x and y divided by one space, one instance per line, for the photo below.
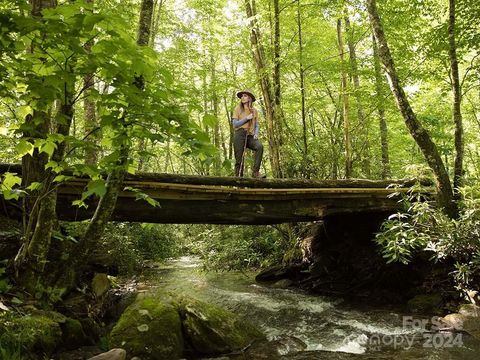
143 39
457 99
380 98
114 183
91 125
96 226
228 111
302 82
216 129
346 106
145 23
365 148
277 94
259 58
420 135
157 7
39 208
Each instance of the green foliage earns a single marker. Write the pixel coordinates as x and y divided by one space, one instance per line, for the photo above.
26 334
238 247
423 227
126 246
9 186
5 285
10 354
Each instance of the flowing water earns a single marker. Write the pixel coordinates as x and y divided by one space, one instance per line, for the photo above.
331 328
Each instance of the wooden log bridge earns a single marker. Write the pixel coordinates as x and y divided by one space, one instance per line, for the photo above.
231 200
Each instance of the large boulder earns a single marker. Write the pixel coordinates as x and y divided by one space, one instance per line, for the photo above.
149 328
213 330
467 319
73 335
114 354
425 304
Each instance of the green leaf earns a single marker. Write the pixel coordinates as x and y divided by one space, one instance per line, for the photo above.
91 20
79 203
140 195
17 301
35 186
61 178
48 147
210 120
10 180
23 111
96 187
24 147
55 166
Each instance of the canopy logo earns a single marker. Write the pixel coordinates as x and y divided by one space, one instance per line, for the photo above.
427 333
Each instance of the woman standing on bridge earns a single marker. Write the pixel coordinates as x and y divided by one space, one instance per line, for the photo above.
245 123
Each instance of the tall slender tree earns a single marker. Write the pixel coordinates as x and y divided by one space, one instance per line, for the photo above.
302 80
116 176
457 100
277 92
380 97
346 103
365 146
41 208
91 125
265 85
418 132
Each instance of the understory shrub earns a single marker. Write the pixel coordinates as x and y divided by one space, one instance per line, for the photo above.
125 246
424 227
239 247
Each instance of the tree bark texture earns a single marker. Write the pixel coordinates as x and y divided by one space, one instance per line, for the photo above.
386 173
157 7
216 129
262 73
91 125
39 207
276 75
114 183
365 142
420 135
346 104
302 81
457 100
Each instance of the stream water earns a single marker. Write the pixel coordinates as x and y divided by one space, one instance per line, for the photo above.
331 328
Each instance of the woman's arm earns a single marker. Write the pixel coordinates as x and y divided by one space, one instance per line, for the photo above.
239 122
257 129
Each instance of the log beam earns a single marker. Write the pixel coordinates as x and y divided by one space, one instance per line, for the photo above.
229 200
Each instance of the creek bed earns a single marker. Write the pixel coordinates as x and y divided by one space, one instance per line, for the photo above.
330 327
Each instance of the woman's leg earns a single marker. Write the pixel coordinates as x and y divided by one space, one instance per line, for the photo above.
239 148
256 146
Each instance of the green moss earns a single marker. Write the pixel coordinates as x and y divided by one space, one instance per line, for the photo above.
213 330
30 334
427 304
149 328
73 335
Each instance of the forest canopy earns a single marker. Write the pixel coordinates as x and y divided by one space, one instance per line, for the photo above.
345 89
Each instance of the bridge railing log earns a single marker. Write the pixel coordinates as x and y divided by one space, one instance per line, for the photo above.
232 200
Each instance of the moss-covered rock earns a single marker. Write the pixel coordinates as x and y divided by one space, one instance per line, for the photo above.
73 335
469 310
467 319
213 330
30 334
425 304
150 329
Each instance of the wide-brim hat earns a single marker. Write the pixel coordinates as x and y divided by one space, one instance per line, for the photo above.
248 92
